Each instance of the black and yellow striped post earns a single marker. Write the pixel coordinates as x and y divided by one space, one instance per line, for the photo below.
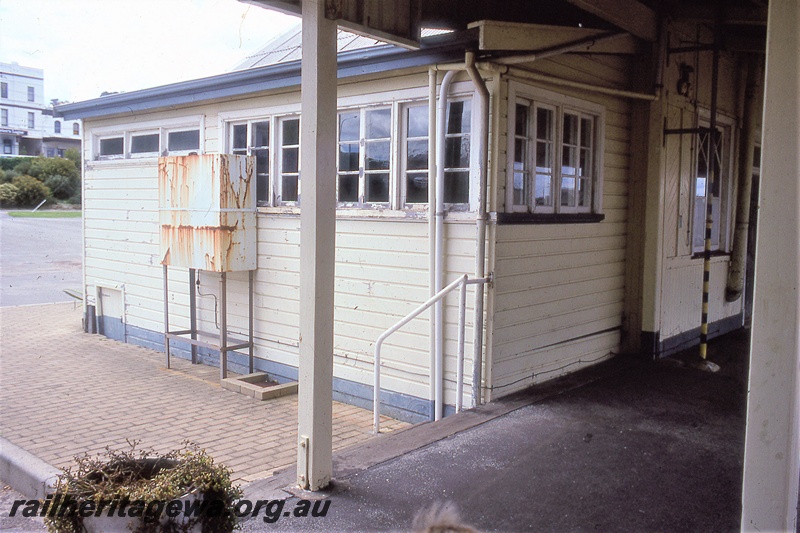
712 140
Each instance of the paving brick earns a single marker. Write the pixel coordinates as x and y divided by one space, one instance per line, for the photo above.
64 392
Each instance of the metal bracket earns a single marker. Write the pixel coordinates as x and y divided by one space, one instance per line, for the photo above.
302 478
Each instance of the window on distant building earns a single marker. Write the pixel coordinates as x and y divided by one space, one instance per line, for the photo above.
61 152
3 117
712 160
76 128
3 90
57 126
31 121
31 94
252 138
51 152
554 151
7 146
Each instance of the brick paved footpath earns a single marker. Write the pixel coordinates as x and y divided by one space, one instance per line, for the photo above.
64 392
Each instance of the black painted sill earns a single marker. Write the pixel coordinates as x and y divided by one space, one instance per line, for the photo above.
549 218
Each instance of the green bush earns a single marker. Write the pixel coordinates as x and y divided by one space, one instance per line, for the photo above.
30 191
8 163
8 194
6 176
62 187
57 166
74 155
23 167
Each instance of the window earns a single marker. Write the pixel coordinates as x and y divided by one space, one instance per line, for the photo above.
3 117
182 141
57 126
111 148
76 128
289 160
61 152
364 156
145 144
554 152
711 184
415 154
252 138
6 146
51 152
4 92
31 94
31 120
456 153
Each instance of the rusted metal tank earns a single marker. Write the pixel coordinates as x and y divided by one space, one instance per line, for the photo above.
207 212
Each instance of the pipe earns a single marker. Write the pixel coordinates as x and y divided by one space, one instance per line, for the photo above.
516 72
738 264
563 49
480 224
441 124
462 313
432 75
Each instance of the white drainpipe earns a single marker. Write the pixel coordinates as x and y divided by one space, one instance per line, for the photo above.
432 76
480 224
441 124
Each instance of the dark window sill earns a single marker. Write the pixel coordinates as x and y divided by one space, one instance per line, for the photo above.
714 253
549 218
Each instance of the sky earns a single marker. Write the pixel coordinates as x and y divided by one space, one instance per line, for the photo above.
87 47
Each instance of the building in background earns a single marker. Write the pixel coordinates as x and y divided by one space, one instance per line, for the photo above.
27 126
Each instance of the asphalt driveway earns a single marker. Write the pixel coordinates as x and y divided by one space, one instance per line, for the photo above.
39 258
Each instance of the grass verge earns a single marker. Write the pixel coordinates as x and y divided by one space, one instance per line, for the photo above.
45 214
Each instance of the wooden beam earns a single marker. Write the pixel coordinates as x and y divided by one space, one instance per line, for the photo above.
629 15
736 15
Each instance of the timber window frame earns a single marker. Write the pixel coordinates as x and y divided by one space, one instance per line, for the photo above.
365 162
287 153
137 141
555 155
253 137
721 191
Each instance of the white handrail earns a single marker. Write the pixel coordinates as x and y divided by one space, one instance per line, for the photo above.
462 281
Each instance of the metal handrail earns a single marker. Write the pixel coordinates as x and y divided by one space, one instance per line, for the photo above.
461 281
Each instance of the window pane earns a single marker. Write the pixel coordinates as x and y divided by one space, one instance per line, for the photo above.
519 188
262 188
349 126
544 156
377 156
290 160
456 152
567 191
570 129
348 188
544 124
520 146
348 157
568 160
459 117
377 186
543 193
379 124
416 188
289 189
240 136
144 143
584 193
417 157
184 140
521 127
418 121
111 146
260 134
585 163
456 187
586 132
291 131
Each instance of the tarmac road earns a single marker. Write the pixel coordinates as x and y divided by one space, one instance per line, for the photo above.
39 258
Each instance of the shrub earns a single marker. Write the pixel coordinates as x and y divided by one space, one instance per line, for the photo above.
57 166
23 167
30 191
74 155
6 176
8 194
8 163
62 187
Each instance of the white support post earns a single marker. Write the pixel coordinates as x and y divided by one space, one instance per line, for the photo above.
317 236
772 441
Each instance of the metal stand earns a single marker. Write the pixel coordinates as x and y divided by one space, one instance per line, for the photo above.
223 347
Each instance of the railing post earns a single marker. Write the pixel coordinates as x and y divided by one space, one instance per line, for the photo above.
462 313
